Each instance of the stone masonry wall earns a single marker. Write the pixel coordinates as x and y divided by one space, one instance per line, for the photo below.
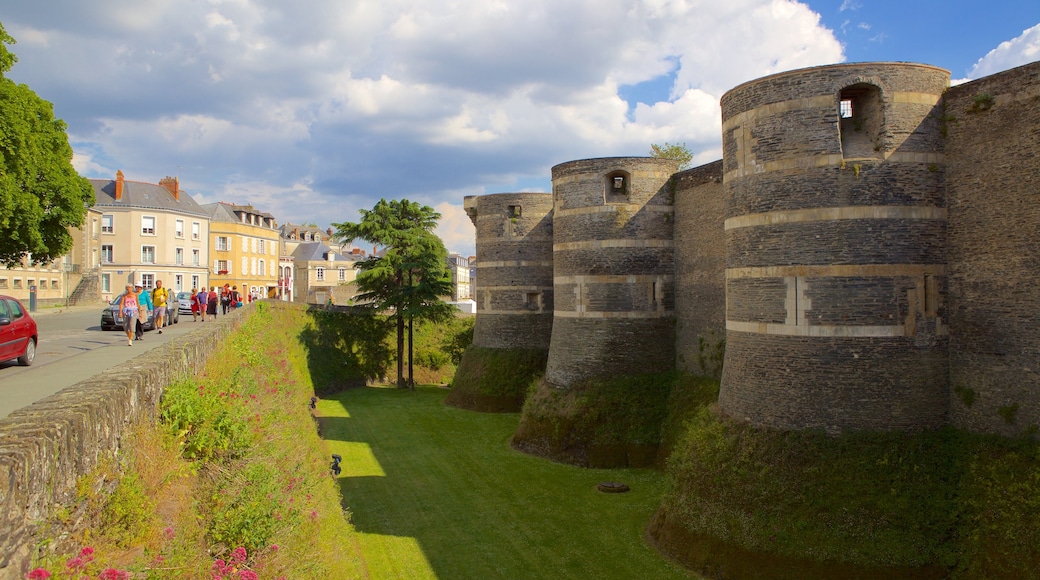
514 289
46 447
993 181
700 266
613 268
836 249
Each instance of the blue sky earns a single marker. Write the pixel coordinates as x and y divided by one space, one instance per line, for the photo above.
314 109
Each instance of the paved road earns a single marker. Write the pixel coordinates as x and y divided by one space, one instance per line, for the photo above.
73 348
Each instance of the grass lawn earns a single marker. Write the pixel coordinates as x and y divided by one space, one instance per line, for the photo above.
436 492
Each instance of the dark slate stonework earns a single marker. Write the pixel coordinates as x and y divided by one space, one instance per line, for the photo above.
849 346
513 289
993 181
619 242
918 300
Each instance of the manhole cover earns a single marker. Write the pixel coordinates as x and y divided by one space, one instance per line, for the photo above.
612 487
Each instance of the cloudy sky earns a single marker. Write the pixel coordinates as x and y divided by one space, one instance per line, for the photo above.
313 109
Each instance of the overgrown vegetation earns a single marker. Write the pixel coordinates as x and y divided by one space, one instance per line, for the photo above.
232 481
495 380
944 500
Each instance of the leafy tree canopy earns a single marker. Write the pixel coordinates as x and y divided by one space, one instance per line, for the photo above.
41 195
677 151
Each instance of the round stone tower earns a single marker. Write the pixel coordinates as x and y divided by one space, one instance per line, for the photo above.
514 281
835 242
613 269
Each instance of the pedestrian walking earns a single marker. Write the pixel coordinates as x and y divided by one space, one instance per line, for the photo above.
211 302
194 300
159 297
129 309
144 303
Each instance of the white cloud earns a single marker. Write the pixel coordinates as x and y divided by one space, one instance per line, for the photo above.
312 110
1023 49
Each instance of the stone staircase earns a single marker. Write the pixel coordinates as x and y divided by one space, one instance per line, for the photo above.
88 291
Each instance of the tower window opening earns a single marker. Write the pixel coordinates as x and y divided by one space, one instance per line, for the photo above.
619 183
845 108
616 188
515 211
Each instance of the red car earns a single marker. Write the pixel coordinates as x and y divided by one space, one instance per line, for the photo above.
18 335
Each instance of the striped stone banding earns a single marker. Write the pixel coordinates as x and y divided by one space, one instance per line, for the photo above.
834 214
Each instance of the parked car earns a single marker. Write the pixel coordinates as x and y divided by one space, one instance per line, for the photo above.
18 335
184 303
173 315
112 318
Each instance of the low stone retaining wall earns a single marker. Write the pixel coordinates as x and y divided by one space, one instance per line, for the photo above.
47 446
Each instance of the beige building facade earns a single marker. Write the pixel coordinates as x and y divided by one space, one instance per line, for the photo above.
150 232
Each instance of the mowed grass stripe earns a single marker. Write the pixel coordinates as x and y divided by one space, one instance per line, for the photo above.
457 502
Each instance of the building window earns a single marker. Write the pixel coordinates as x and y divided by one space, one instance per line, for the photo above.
107 226
195 281
261 268
195 254
178 229
94 228
321 274
260 248
43 283
30 283
342 274
515 211
106 253
3 282
178 257
147 254
222 243
55 285
178 282
106 282
147 281
147 226
196 227
17 283
223 267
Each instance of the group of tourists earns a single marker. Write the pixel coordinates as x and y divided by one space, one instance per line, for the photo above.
138 302
205 303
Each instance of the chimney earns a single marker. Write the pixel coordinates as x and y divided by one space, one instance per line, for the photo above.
172 184
329 232
119 185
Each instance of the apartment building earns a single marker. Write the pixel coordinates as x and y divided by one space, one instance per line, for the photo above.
244 249
150 232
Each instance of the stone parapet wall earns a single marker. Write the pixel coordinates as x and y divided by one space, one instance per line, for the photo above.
47 446
993 182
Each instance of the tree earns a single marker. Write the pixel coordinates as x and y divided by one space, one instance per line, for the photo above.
411 274
41 196
678 151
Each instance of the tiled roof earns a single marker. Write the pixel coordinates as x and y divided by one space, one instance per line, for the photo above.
144 196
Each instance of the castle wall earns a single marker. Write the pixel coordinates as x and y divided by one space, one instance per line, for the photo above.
993 178
514 283
700 267
835 241
613 269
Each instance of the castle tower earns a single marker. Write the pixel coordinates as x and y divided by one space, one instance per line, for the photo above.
613 269
514 295
514 291
835 245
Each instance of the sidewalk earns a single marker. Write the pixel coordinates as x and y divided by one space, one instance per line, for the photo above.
53 310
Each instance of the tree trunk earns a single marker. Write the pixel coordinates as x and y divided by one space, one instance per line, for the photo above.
400 350
411 376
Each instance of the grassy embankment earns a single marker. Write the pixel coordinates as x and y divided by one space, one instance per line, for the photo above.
432 491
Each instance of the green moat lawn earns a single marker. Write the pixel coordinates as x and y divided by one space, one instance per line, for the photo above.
437 492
